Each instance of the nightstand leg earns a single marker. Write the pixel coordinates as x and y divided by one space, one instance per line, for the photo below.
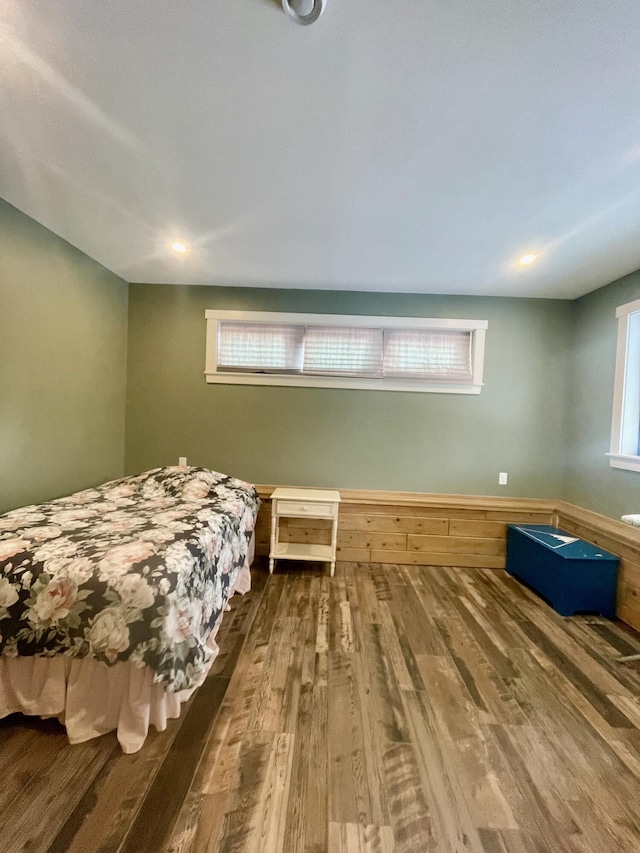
272 544
334 543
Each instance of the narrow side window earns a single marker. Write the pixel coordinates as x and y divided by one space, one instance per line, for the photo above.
625 420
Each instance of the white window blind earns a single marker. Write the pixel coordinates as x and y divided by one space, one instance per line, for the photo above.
336 351
425 354
260 347
345 351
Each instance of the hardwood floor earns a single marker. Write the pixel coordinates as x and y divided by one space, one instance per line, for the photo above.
390 708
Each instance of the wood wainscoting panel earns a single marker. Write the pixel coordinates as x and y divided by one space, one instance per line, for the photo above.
483 529
396 523
371 540
430 558
456 545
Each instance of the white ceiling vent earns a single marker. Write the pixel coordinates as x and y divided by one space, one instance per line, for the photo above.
304 11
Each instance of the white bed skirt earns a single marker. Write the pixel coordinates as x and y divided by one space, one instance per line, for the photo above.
90 698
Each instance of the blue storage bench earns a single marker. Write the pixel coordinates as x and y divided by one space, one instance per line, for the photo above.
571 574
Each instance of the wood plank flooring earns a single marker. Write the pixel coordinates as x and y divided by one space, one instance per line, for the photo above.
389 708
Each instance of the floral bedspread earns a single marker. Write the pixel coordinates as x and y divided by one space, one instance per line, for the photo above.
138 569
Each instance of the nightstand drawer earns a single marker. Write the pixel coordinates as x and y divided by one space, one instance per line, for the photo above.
310 508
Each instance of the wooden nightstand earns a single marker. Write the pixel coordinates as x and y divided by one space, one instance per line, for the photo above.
303 503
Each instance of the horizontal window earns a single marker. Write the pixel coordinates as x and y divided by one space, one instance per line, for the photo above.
345 351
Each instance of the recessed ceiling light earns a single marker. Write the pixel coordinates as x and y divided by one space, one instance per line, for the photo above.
527 259
179 247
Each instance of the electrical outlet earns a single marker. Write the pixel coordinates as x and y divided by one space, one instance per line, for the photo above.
502 478
182 460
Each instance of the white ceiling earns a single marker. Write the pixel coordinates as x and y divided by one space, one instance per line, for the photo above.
395 145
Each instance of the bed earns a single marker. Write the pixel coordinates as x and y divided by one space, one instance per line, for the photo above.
110 599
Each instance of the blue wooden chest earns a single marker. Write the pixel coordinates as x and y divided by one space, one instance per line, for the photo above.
571 574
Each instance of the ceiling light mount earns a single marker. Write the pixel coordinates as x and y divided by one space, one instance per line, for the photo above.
304 12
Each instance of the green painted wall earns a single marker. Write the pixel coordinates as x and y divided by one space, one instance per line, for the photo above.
63 334
590 481
344 438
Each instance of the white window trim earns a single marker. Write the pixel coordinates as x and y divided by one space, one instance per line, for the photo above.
478 327
623 379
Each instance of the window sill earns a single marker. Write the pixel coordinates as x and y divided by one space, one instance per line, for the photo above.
339 382
629 463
